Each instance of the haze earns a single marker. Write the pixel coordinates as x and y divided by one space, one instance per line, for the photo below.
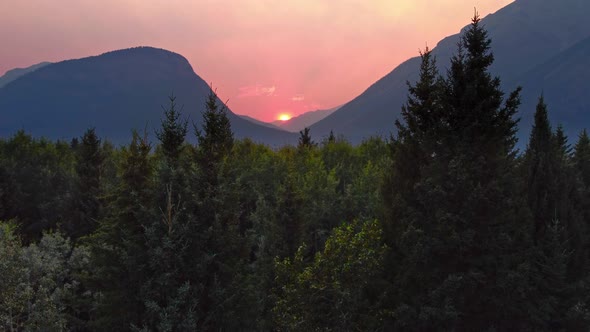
266 57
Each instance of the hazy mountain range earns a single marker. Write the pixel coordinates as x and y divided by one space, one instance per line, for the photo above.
298 123
15 73
541 45
114 92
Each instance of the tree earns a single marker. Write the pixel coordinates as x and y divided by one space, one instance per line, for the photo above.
455 225
333 292
36 183
305 140
118 247
40 284
87 204
173 131
216 140
218 237
169 289
542 168
581 158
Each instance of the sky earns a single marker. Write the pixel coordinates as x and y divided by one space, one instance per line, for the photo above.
266 57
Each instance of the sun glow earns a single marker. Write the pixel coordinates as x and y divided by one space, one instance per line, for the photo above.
284 117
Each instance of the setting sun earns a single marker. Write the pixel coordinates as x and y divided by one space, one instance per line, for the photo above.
284 117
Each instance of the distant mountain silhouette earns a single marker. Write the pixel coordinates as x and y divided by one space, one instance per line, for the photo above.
15 73
114 92
539 44
258 122
298 123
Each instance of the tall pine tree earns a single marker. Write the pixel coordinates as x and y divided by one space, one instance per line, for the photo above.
457 225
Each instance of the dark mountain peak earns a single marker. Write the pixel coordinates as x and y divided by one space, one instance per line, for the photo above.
127 64
115 92
144 55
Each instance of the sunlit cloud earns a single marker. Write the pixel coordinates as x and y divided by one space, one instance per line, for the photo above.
298 98
256 91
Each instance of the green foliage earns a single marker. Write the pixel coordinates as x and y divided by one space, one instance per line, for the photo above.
455 225
230 235
36 183
173 131
332 293
118 247
215 141
90 158
40 282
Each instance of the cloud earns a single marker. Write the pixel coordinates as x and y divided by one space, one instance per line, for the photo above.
298 98
256 91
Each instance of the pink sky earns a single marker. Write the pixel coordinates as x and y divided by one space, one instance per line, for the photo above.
266 56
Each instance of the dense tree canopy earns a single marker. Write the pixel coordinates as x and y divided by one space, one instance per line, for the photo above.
443 227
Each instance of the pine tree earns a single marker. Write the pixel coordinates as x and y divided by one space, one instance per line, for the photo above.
455 223
215 140
541 169
173 132
582 158
169 291
217 238
118 247
87 202
305 140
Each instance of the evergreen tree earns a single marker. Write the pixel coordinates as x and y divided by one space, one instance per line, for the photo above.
305 140
87 200
216 139
169 289
581 158
173 132
118 246
456 223
217 236
541 169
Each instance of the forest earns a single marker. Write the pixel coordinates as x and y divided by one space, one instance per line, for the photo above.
444 226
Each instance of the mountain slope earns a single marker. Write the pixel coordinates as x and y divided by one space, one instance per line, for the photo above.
114 92
564 81
15 73
258 122
525 34
298 123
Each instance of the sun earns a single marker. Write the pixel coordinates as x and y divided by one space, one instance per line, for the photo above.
284 117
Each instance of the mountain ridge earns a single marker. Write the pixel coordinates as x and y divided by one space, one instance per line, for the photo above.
374 111
300 122
15 73
115 92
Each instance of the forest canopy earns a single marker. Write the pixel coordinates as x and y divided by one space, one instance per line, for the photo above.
442 226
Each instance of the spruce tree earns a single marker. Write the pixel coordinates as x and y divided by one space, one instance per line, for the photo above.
216 234
541 169
118 246
215 140
169 291
581 158
457 225
173 131
305 140
87 204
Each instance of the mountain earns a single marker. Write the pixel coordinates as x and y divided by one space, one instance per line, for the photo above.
298 123
529 39
258 122
15 73
114 92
